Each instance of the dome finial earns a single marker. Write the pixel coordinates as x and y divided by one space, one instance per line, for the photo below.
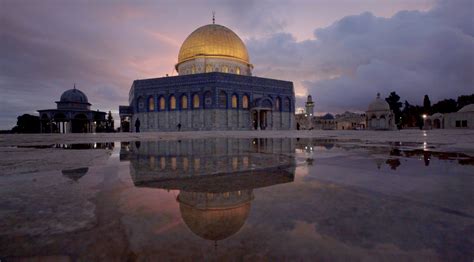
74 85
213 17
378 95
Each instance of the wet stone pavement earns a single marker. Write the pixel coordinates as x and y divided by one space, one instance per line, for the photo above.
243 199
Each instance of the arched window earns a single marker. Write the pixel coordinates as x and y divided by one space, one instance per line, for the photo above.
225 69
245 102
151 104
222 99
278 104
140 105
193 69
196 101
172 102
208 68
237 70
162 103
207 100
234 101
184 102
287 105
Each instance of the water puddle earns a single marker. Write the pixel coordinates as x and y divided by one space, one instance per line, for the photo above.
244 199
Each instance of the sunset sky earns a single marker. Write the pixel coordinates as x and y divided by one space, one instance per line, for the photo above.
341 51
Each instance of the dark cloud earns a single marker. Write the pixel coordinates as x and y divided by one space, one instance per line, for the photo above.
413 53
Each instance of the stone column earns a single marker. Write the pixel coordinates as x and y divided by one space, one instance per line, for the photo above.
258 119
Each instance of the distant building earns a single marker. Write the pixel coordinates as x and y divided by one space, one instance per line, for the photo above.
215 90
72 115
350 121
310 122
379 116
463 119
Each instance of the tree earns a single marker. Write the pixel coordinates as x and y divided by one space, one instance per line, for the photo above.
110 123
394 102
27 124
465 100
445 106
426 105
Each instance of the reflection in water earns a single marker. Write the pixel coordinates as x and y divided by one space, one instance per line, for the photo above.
392 154
215 177
215 216
75 174
73 146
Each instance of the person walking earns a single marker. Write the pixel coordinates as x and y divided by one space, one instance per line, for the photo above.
137 125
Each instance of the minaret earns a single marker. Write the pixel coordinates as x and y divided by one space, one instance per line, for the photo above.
309 106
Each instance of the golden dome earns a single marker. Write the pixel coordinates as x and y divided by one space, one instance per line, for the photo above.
215 224
213 41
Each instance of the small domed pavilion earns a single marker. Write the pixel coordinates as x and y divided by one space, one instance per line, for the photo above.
72 115
379 116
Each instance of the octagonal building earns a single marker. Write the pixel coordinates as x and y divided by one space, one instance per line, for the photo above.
215 90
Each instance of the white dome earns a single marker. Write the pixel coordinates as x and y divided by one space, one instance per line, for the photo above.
436 115
468 108
379 104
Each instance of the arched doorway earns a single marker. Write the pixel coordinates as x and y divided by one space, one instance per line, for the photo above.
80 124
261 114
437 124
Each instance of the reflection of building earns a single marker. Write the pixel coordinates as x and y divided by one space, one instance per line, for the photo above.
464 118
379 116
75 174
215 177
155 160
72 115
215 216
215 90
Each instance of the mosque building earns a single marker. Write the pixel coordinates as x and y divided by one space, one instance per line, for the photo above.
464 118
214 90
72 115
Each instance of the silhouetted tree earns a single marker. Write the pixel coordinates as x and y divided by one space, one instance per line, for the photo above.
445 106
426 105
394 101
465 100
110 123
27 124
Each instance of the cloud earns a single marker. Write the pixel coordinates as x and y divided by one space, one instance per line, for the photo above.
413 53
103 46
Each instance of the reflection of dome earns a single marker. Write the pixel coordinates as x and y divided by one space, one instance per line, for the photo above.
75 174
468 108
379 104
73 96
215 224
214 41
215 216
